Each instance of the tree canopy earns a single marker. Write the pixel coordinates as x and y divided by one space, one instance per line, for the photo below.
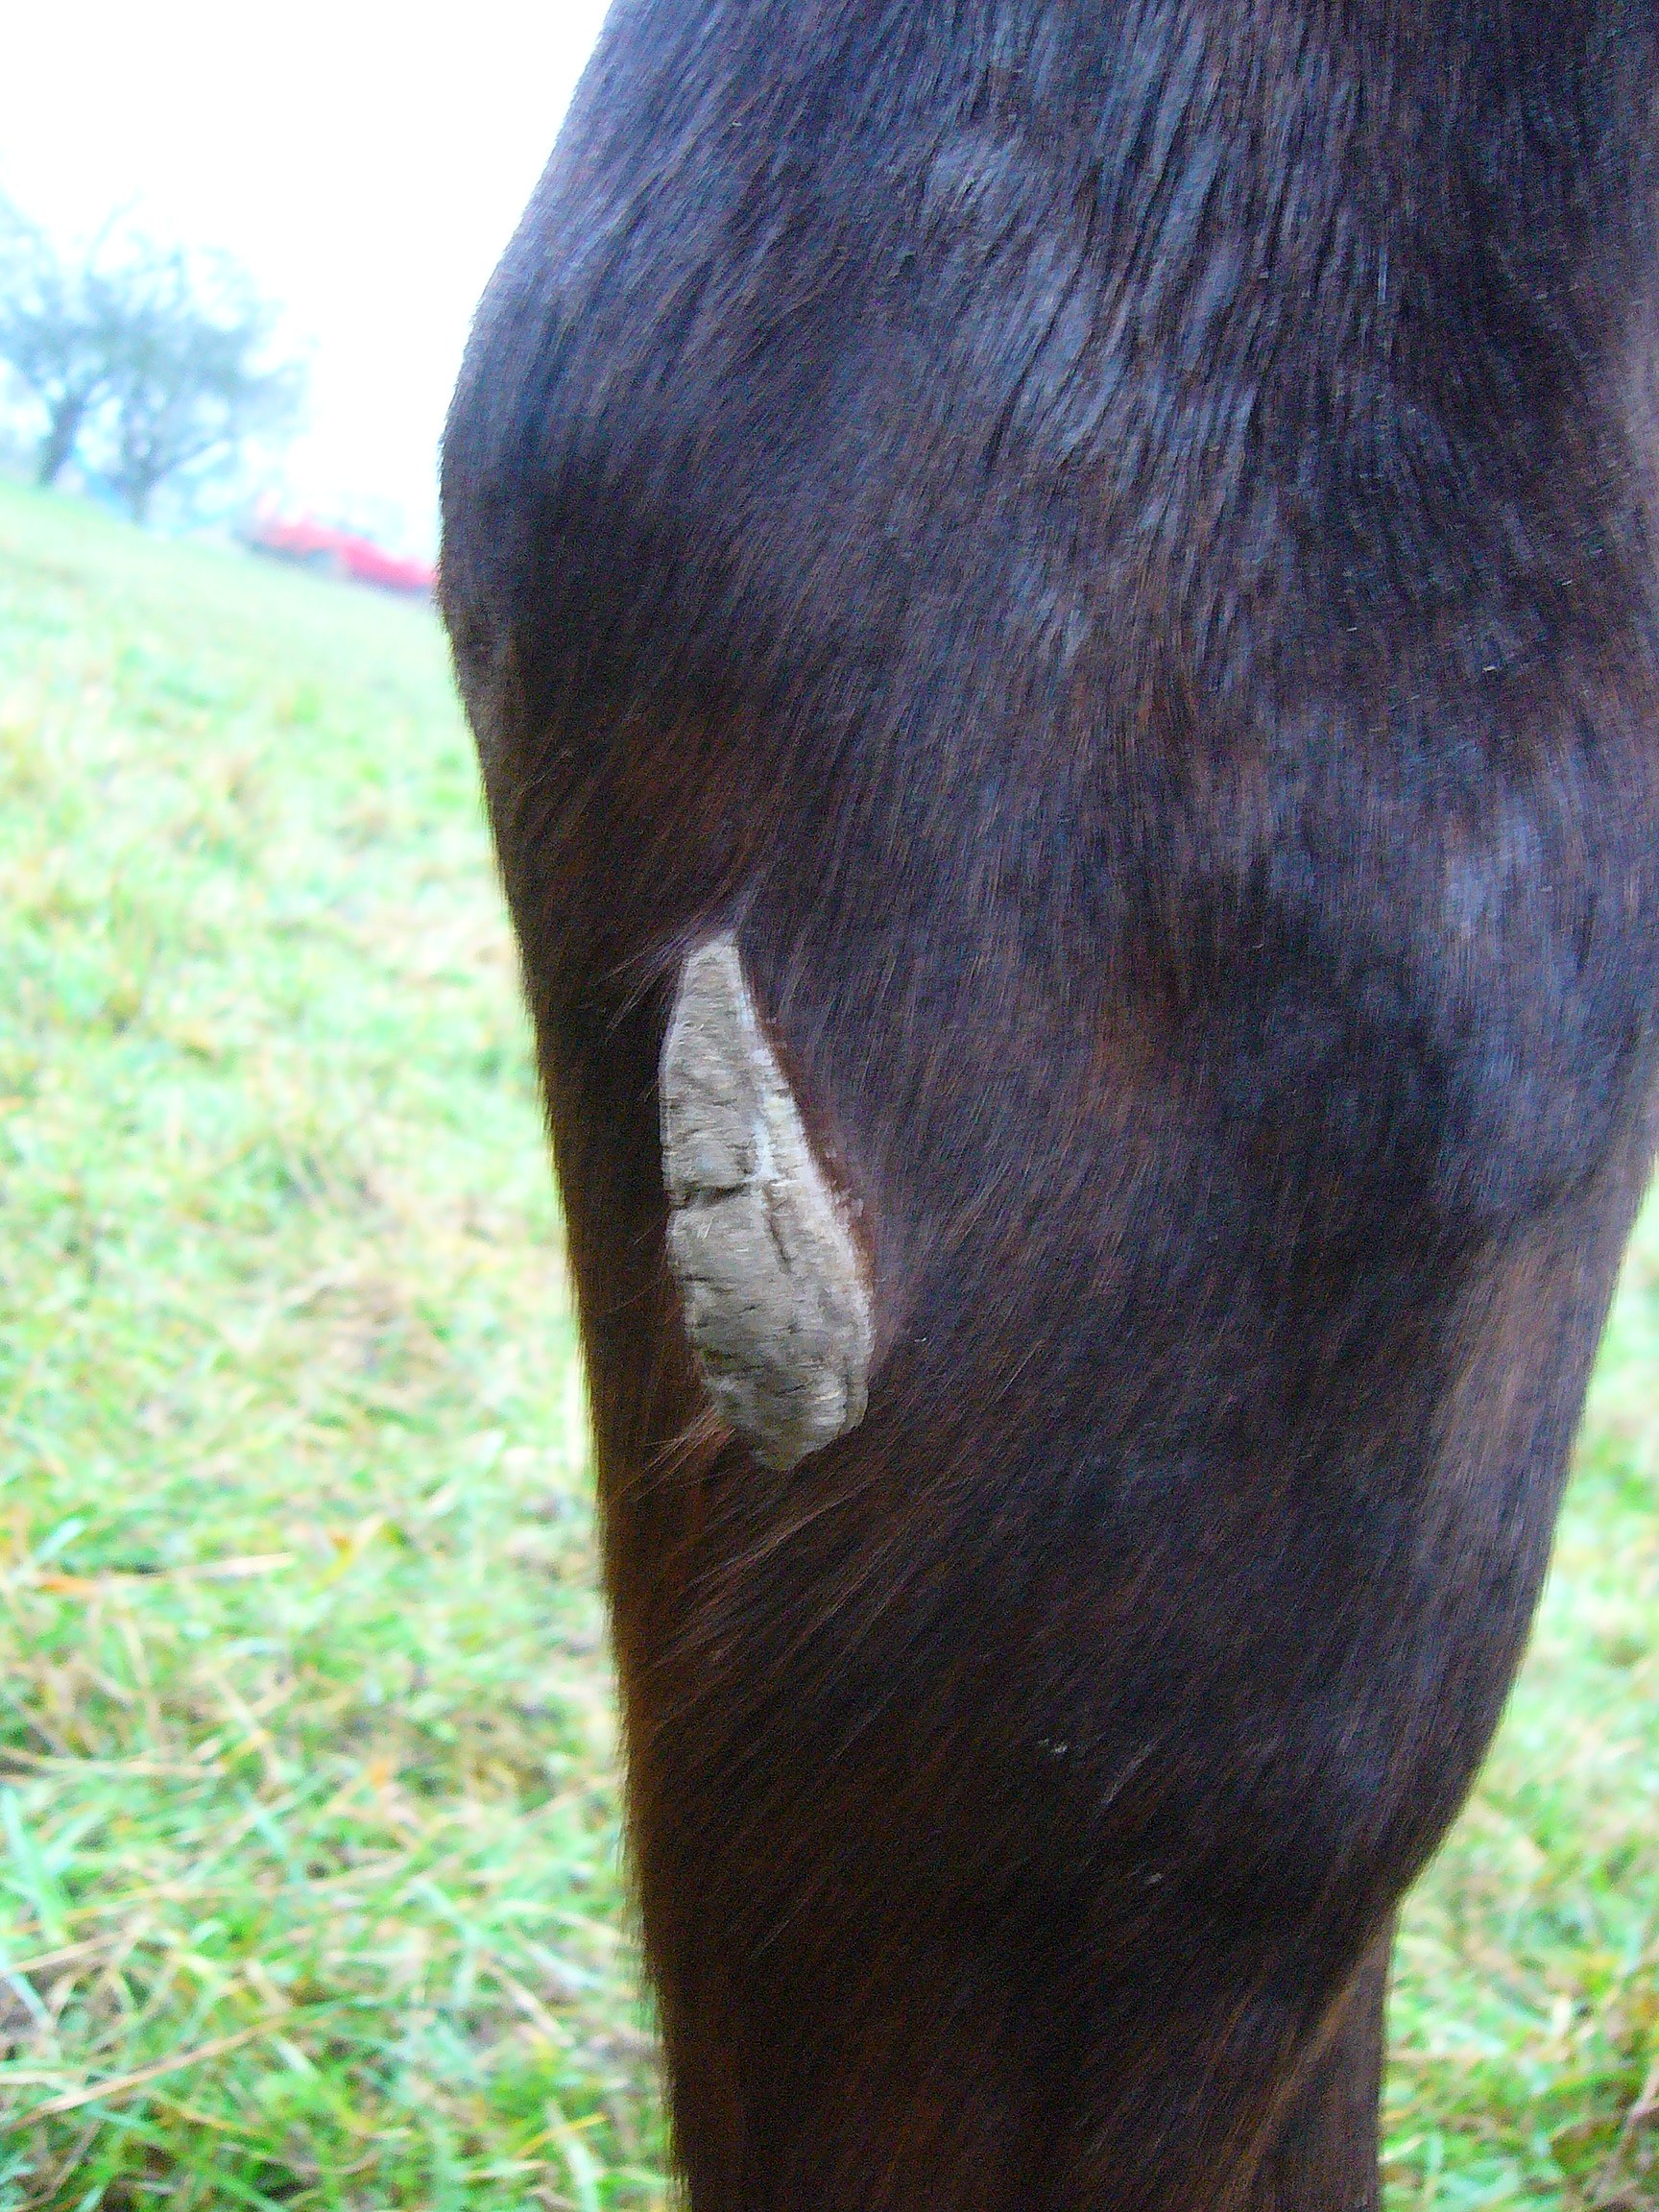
151 365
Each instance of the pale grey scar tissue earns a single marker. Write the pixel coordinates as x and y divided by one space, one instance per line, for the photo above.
771 1280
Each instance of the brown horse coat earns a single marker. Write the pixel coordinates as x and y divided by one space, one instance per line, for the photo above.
1100 553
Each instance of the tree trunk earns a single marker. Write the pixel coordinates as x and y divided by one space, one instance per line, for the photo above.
136 493
62 430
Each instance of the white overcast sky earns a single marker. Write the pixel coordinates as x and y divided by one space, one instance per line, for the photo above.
366 161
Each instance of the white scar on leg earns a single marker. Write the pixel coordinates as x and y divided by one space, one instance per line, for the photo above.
771 1281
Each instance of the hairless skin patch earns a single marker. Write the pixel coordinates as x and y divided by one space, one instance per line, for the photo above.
771 1283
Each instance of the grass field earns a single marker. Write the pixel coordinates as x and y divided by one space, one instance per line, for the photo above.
309 1887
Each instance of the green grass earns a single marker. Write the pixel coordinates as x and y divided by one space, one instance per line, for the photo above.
302 1687
309 1886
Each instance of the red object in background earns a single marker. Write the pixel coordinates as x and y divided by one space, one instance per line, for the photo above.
341 553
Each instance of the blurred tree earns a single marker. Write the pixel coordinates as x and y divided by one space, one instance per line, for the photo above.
149 361
190 384
57 330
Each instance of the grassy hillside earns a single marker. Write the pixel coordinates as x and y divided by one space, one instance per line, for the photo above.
301 1684
308 1863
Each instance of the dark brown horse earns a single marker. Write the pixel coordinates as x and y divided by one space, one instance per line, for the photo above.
1057 598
